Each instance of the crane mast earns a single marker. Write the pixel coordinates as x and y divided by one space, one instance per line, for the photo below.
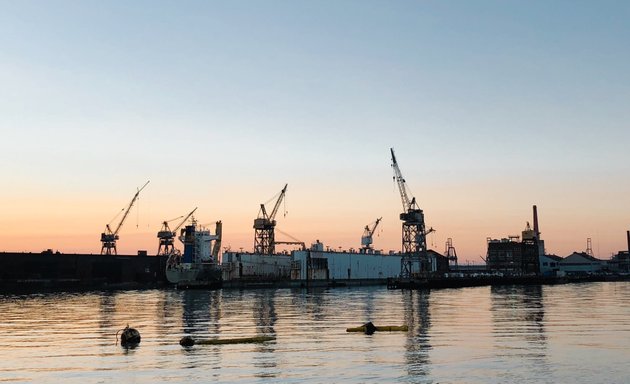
109 237
264 226
167 235
414 244
368 233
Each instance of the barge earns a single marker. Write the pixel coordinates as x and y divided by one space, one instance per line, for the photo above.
50 270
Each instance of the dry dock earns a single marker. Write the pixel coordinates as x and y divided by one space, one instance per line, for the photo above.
51 270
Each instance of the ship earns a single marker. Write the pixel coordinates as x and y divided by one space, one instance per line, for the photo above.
198 266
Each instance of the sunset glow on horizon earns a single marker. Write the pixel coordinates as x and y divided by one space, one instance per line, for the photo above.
492 107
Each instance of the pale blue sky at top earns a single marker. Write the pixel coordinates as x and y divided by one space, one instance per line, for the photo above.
491 106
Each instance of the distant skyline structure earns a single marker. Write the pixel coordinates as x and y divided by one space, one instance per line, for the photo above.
496 106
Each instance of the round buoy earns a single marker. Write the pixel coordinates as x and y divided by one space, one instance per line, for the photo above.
129 337
187 341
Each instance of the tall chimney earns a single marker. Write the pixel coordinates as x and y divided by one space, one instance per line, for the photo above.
536 233
628 233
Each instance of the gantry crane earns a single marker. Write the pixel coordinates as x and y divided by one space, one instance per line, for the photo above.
366 239
109 237
264 225
414 234
450 253
167 235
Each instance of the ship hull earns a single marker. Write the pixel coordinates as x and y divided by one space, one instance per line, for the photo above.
200 275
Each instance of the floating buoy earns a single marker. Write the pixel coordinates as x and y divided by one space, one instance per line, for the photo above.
369 328
188 341
129 337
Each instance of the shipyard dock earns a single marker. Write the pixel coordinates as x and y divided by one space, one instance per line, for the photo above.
54 270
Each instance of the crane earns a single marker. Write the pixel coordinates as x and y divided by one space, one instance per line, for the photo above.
366 239
414 234
450 253
167 235
264 225
109 237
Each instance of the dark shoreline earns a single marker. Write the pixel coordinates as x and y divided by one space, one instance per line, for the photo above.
56 272
478 281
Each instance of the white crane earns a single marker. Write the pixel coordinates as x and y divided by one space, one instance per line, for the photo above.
368 233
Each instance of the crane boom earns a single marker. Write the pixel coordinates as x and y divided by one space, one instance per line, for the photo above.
371 231
275 207
185 220
135 197
402 186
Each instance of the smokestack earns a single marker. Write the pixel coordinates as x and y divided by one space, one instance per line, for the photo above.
628 233
537 234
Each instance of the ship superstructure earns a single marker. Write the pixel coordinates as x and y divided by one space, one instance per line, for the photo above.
198 265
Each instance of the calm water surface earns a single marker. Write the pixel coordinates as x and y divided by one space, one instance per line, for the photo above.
573 333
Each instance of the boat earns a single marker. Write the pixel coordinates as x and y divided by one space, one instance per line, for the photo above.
197 267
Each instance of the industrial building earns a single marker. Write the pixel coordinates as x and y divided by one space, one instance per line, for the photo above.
513 256
620 263
319 264
579 263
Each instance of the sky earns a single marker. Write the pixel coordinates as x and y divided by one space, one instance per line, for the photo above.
491 107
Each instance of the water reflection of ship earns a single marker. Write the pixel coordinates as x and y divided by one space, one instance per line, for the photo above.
417 317
198 266
201 312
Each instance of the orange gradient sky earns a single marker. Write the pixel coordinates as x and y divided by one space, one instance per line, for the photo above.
492 107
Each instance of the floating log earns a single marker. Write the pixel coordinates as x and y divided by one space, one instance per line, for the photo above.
188 341
369 328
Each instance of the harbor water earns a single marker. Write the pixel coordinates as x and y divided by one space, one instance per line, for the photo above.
571 333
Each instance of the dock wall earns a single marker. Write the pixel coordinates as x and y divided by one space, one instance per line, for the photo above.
32 271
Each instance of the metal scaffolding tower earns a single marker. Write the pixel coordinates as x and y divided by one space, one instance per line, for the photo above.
264 225
414 232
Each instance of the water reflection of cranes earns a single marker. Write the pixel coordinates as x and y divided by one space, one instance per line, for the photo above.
418 318
265 317
518 316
